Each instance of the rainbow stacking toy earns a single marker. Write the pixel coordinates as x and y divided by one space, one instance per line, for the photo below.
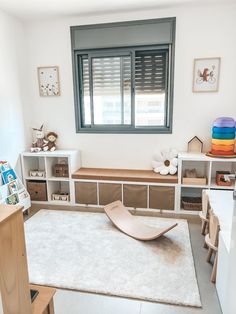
223 137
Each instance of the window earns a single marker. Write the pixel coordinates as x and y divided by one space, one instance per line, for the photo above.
105 94
123 90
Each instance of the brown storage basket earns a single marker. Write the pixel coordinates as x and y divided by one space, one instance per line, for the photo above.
37 190
109 192
161 197
61 170
135 196
86 193
192 203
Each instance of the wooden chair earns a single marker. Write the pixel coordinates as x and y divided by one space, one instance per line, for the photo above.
211 240
204 214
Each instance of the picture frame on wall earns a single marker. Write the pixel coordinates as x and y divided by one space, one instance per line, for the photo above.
49 83
206 73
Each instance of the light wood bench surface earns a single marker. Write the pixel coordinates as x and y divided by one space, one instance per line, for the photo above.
123 175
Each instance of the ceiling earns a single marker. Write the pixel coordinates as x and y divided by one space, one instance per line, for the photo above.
43 9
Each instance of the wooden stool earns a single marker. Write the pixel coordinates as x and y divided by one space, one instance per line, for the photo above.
204 214
43 303
211 241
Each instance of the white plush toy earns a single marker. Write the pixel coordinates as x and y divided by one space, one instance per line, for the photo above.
165 162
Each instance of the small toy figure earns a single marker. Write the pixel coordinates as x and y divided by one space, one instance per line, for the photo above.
50 144
39 142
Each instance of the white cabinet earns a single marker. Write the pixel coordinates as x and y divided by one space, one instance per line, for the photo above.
205 167
45 163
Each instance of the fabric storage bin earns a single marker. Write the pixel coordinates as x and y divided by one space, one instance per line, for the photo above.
109 192
86 193
162 197
37 190
135 196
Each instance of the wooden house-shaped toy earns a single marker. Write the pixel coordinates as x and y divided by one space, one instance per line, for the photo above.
195 145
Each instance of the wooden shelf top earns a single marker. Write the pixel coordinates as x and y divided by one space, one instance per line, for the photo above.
123 175
6 211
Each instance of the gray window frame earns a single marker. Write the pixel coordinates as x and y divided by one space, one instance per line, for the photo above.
80 128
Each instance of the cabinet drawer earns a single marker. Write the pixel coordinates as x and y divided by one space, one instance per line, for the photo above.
86 193
162 197
109 192
37 190
135 196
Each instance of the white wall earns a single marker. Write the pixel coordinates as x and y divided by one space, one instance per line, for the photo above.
202 31
12 140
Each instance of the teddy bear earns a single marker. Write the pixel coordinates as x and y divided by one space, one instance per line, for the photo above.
51 138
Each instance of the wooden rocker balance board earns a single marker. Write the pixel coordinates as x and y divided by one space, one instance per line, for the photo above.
126 223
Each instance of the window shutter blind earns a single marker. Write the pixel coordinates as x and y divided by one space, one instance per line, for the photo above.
85 73
106 76
150 72
110 74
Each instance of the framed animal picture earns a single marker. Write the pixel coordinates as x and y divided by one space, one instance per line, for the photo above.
206 75
48 78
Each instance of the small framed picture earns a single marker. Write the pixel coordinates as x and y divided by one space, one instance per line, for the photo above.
12 186
8 176
12 199
48 78
206 75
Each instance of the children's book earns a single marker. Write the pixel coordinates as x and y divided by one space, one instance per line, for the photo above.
22 195
8 176
4 166
12 199
12 186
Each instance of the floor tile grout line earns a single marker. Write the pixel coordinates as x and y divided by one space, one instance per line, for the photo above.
140 308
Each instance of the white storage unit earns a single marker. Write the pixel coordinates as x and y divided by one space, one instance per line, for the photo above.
45 161
206 166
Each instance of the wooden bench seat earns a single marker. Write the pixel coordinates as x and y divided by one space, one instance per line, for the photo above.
123 175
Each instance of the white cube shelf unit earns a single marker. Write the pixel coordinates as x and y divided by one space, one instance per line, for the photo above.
45 161
97 188
206 167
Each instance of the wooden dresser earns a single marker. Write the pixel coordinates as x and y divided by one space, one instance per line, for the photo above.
14 279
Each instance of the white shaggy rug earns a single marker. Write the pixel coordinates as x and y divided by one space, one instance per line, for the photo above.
84 251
